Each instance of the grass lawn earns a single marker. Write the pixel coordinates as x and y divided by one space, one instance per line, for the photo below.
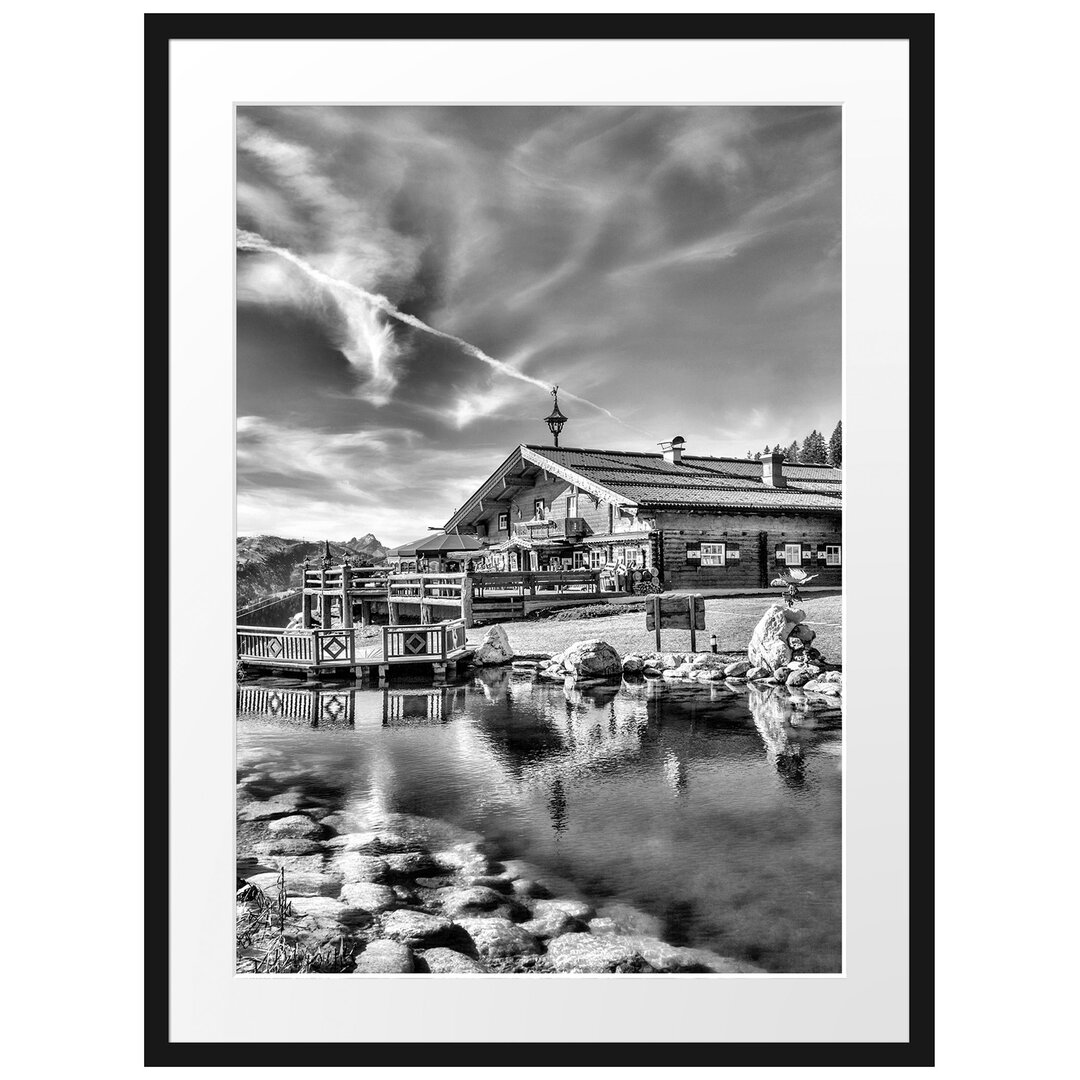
732 619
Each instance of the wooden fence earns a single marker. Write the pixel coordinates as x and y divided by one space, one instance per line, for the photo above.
423 642
530 582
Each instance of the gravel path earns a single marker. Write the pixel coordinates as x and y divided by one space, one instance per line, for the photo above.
732 619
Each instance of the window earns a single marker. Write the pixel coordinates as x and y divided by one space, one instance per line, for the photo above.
579 560
504 522
633 557
793 554
538 509
832 554
571 505
712 554
596 558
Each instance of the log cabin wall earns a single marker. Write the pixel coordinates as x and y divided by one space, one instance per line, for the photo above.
676 532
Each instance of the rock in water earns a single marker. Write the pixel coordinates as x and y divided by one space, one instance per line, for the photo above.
417 929
591 954
382 957
449 962
496 937
592 658
495 648
769 646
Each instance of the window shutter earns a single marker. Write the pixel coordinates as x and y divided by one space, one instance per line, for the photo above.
693 553
780 553
733 551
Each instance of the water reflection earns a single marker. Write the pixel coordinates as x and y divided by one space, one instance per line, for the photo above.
718 811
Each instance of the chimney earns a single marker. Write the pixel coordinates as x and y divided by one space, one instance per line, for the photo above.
772 470
673 450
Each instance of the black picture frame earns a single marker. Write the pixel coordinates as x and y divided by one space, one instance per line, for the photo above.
159 31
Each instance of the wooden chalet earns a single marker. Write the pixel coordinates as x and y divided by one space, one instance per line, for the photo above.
693 521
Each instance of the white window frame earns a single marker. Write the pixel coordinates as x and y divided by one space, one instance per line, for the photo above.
504 521
634 557
581 560
833 555
713 553
571 505
539 510
596 558
797 549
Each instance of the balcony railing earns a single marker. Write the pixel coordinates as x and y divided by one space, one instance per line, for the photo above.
551 528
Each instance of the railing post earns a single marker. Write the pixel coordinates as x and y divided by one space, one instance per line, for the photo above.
466 599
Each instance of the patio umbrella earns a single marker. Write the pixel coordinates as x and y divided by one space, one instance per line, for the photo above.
438 544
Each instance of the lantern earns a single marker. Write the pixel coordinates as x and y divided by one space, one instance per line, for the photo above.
555 418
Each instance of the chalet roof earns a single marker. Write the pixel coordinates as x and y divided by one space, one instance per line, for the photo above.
644 479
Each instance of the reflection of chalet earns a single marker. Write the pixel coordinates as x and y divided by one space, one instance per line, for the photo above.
698 521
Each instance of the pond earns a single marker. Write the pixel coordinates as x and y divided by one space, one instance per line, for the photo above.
716 810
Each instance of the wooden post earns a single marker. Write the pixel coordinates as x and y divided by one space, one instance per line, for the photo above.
466 600
425 609
305 608
656 618
365 612
693 628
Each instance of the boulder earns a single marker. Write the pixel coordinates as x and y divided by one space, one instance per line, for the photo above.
298 827
757 673
494 649
418 929
497 937
632 665
552 923
798 678
278 806
591 954
449 962
353 866
369 896
383 957
618 918
737 670
576 909
823 685
593 658
472 900
327 912
769 646
411 863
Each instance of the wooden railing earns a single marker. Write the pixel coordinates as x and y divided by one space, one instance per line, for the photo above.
448 587
531 582
423 641
299 648
356 578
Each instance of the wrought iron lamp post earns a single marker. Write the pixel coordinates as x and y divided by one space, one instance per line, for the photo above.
555 418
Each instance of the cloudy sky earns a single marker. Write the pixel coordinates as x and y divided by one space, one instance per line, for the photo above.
674 270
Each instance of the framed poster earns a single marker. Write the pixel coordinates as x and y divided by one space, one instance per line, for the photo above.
419 284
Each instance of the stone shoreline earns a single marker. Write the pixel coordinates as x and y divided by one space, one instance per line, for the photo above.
405 894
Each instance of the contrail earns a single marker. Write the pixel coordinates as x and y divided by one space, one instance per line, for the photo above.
251 241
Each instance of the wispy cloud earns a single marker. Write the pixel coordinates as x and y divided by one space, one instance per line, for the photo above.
678 267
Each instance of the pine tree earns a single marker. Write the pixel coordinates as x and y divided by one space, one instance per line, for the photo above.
792 452
836 446
813 449
776 449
